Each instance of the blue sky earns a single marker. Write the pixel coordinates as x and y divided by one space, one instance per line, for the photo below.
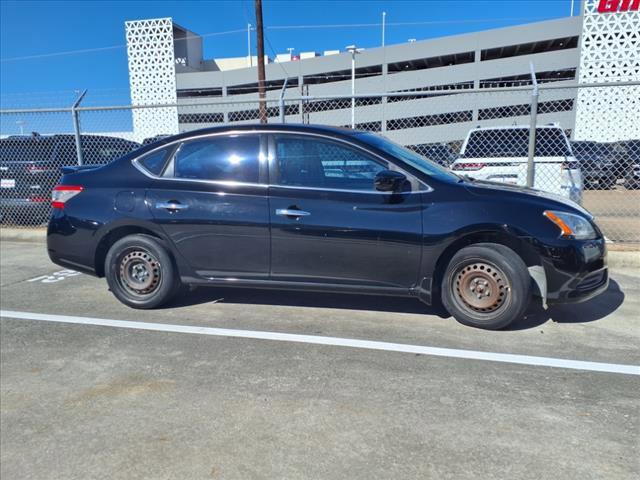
30 28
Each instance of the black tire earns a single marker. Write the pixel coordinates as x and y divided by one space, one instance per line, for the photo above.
607 183
487 286
610 183
140 272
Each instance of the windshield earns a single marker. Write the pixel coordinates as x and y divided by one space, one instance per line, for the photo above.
408 156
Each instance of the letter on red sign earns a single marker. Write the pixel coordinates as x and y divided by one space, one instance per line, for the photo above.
629 5
611 6
608 6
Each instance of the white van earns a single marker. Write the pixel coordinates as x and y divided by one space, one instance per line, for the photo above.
500 154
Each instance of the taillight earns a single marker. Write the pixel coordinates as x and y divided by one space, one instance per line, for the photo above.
63 193
468 166
33 169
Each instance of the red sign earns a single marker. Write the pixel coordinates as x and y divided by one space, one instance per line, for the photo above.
612 6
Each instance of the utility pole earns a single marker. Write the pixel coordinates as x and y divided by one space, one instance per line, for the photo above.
261 76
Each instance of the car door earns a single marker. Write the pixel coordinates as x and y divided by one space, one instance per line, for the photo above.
329 224
212 205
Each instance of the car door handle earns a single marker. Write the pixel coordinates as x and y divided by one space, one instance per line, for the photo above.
172 206
290 212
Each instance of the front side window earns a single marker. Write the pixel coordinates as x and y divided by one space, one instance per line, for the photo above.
318 163
224 158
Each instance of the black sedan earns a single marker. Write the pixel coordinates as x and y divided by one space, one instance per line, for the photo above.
320 209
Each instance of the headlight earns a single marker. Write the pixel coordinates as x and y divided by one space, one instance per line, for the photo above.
571 225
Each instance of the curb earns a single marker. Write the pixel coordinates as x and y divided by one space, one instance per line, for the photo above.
31 235
616 258
623 260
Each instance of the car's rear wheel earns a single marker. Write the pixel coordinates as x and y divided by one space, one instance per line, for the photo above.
487 286
140 272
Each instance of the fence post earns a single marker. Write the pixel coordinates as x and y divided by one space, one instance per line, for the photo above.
76 127
532 128
281 100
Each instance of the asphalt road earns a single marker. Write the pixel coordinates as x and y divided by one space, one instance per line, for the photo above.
86 401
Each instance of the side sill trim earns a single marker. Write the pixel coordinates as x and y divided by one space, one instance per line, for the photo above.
63 262
301 286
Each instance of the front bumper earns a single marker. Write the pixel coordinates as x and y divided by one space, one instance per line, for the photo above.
576 270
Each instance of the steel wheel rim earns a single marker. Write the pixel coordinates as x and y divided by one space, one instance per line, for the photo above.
481 288
140 272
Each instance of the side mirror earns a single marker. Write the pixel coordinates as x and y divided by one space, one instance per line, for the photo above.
389 181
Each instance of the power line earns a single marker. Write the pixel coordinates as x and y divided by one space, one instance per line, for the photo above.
273 52
102 49
277 27
400 24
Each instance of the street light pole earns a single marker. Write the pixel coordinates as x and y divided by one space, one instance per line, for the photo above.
384 18
353 50
249 59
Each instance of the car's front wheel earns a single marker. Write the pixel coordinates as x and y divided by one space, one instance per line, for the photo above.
486 285
140 272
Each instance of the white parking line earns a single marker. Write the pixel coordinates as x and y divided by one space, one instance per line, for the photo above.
334 341
55 276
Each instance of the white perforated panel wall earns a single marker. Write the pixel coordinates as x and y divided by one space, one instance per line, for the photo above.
152 76
610 52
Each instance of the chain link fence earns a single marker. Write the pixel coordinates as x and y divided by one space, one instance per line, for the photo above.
484 133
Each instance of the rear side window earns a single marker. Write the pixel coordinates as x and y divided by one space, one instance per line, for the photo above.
224 158
154 162
502 143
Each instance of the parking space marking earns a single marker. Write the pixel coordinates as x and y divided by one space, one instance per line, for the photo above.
55 276
334 341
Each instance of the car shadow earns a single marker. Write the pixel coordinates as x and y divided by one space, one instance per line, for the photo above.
294 298
590 311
